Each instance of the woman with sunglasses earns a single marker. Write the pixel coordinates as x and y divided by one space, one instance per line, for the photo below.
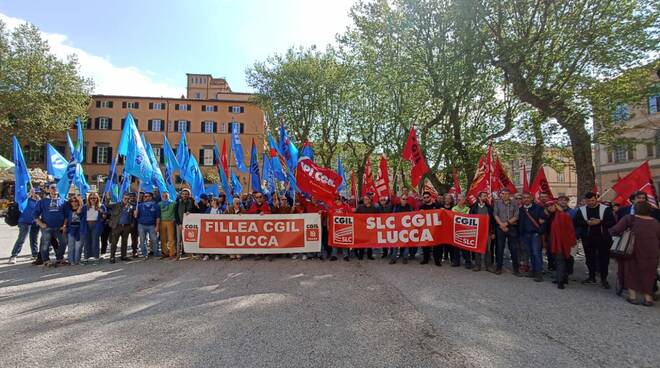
94 213
75 229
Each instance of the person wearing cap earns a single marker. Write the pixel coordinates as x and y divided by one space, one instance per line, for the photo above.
184 206
148 219
50 215
121 223
27 226
167 225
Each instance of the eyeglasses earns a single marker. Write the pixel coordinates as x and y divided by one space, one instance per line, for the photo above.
258 197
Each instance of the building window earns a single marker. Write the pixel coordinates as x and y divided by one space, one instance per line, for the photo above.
208 126
33 153
198 96
104 124
516 178
650 150
181 107
158 151
236 109
182 126
156 125
209 108
622 154
560 177
104 104
156 106
621 113
130 105
654 101
102 155
207 156
241 128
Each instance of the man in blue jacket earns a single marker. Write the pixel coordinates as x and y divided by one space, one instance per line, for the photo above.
148 219
26 225
531 220
50 215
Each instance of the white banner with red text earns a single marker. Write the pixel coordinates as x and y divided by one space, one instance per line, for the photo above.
409 229
252 234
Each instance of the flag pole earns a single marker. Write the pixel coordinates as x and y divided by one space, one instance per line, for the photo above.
112 175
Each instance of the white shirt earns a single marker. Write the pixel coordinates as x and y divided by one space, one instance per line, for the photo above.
92 214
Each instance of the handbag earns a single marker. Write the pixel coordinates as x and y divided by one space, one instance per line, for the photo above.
622 246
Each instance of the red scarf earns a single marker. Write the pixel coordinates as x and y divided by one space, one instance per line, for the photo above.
562 234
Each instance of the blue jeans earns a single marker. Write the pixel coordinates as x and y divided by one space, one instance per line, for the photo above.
75 249
398 252
533 245
46 235
92 248
23 231
143 230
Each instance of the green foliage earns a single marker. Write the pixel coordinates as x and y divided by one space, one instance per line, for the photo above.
40 95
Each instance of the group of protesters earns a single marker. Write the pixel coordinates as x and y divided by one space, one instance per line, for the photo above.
530 228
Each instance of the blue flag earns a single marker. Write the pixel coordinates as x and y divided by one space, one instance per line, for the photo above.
74 175
196 179
255 178
267 172
22 177
111 183
157 178
237 147
182 154
55 163
125 184
275 162
212 189
221 172
137 161
307 151
236 186
288 150
69 142
78 151
170 166
342 173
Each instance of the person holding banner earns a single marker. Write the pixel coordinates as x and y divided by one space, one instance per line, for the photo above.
384 206
366 207
184 206
483 208
339 208
259 205
429 204
531 225
403 252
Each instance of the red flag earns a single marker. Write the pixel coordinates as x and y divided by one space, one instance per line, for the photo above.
223 158
383 182
412 152
502 180
540 185
525 180
368 185
428 187
483 178
319 182
639 179
353 186
456 188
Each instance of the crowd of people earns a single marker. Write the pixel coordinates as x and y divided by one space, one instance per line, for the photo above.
540 234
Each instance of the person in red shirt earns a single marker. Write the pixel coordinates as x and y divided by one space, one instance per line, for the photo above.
339 207
259 205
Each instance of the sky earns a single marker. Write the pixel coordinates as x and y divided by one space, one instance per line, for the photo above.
145 47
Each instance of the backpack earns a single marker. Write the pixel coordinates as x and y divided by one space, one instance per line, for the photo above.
13 214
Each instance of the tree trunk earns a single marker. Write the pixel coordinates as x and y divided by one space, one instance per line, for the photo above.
582 155
537 150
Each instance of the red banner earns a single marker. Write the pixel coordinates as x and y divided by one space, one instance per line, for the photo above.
502 181
455 190
639 179
413 152
410 229
368 185
540 185
319 182
383 182
525 180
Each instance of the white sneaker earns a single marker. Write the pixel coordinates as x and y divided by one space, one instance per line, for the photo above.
206 258
304 257
295 256
12 260
217 257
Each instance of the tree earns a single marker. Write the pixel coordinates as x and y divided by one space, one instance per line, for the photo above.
40 95
553 52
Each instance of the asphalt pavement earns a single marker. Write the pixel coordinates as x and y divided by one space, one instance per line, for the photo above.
294 313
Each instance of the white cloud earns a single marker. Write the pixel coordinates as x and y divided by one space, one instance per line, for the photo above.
108 79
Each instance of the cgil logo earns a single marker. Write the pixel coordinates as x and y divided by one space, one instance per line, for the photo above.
466 231
343 230
317 175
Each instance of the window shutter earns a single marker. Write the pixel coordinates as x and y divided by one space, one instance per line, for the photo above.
123 122
89 123
242 128
203 107
137 123
137 105
96 123
149 125
215 127
95 155
631 154
202 129
215 108
242 109
110 104
123 104
189 108
162 156
176 107
98 104
151 105
110 157
201 156
229 110
109 123
188 126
